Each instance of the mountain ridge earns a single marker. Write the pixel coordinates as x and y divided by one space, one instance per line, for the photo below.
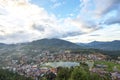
110 46
59 43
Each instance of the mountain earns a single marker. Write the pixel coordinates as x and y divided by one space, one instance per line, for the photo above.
57 43
109 46
36 47
2 44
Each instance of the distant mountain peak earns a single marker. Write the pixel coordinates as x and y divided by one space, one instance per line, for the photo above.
54 42
110 45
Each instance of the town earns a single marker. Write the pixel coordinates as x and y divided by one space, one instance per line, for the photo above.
30 66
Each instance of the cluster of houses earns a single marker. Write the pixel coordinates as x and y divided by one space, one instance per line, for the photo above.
46 56
100 69
68 56
32 70
31 66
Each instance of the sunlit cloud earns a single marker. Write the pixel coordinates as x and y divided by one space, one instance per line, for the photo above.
23 21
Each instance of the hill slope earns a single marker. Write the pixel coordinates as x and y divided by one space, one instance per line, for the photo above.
110 46
36 47
57 43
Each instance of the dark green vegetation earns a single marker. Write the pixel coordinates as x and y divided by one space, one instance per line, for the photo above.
7 75
107 46
55 45
112 54
79 73
76 73
36 47
110 65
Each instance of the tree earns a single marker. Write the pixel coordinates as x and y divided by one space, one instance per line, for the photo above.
63 74
7 75
79 74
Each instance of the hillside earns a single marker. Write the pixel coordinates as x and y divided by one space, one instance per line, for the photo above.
55 46
57 43
108 46
36 47
7 75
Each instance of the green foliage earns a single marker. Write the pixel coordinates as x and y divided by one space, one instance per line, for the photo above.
63 74
109 64
108 46
79 73
82 51
54 43
7 75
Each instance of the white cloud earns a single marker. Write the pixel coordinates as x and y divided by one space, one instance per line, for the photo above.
108 33
54 1
82 26
56 5
19 16
99 8
93 20
22 21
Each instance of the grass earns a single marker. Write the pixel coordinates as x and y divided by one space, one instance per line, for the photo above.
109 64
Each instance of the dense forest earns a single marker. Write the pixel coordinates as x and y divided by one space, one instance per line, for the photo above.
8 75
79 73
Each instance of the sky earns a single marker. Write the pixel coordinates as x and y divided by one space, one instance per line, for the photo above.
72 20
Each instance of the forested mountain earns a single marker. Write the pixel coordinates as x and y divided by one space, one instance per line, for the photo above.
7 75
54 46
58 43
36 47
109 46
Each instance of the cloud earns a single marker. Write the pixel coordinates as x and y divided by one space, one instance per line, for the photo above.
109 33
82 26
56 5
40 28
95 35
106 6
20 16
22 21
71 34
54 1
17 37
100 11
100 7
113 19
